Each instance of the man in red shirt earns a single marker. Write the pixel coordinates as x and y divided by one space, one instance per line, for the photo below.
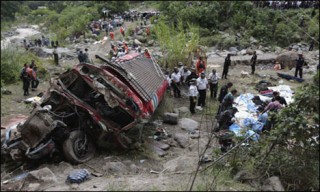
200 66
147 54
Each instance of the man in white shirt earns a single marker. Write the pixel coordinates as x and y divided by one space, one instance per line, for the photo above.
193 93
181 71
213 82
186 73
202 84
175 82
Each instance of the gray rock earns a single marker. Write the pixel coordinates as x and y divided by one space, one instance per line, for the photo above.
296 47
272 184
188 124
233 53
182 163
134 169
243 176
170 118
287 59
231 49
181 139
182 111
150 43
40 52
259 52
115 168
40 179
253 40
243 52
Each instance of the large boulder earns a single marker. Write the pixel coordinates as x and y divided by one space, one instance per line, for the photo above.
253 40
115 168
181 139
182 111
170 118
40 180
288 59
182 163
188 124
41 52
272 184
232 49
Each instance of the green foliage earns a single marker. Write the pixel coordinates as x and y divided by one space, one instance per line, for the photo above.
8 10
71 20
12 60
270 27
291 150
177 42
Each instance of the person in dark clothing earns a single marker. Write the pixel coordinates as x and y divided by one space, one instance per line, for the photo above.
25 77
81 57
225 121
34 79
311 44
57 44
193 75
226 65
224 91
299 65
228 100
253 62
282 99
55 55
52 43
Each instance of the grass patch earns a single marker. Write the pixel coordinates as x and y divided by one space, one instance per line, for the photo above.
12 60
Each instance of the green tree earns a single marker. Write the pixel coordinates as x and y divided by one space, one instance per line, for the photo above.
8 9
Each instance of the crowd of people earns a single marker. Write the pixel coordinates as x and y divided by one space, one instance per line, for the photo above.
197 83
39 42
287 4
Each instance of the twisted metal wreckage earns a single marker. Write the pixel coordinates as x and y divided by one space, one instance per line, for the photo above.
86 106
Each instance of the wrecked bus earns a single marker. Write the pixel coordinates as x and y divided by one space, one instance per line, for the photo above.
88 104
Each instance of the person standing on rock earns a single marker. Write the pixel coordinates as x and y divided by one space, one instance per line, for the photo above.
55 55
311 44
202 84
299 65
87 60
81 57
213 82
226 65
253 62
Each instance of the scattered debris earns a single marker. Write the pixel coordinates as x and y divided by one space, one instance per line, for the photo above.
78 176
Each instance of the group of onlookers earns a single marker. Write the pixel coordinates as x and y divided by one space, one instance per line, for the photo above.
28 75
287 4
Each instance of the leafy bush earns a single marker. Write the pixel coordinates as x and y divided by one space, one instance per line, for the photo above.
291 150
12 60
177 42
